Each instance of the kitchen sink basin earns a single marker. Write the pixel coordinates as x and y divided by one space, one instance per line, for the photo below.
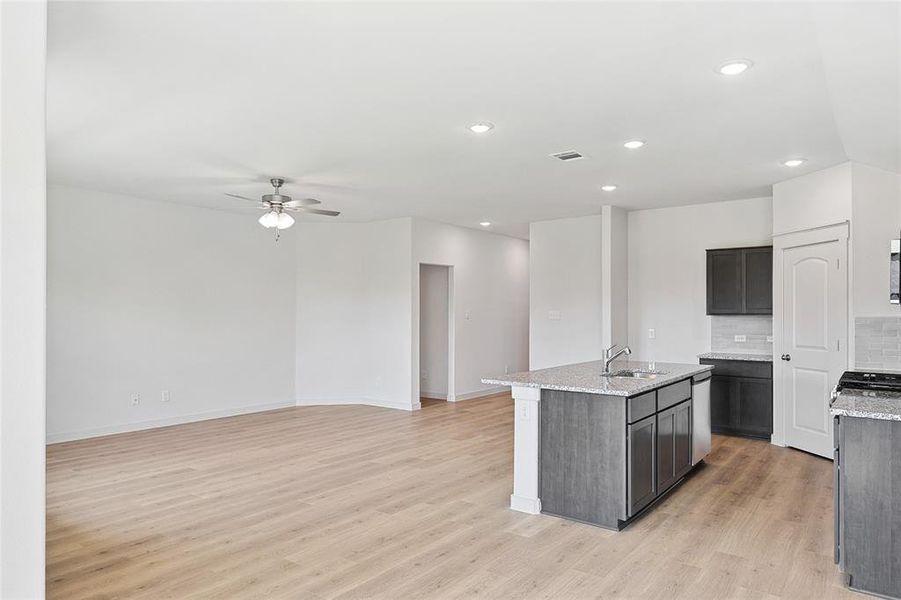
636 374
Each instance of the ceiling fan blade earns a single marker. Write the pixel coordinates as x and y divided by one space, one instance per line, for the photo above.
302 202
318 211
239 197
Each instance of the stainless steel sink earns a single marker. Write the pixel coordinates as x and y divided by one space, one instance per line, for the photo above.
636 374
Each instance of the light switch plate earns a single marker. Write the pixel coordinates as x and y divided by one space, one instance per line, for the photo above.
553 315
769 338
741 338
652 333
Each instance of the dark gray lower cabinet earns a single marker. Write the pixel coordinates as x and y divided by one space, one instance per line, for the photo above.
642 457
582 460
673 444
741 398
868 504
603 459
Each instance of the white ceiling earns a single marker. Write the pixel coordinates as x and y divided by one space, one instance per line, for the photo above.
366 106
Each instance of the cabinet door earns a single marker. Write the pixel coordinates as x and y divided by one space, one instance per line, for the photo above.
721 403
724 282
758 281
666 438
741 405
642 454
755 406
682 439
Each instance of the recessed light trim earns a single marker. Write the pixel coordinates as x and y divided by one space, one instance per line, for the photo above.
736 66
485 223
608 188
634 144
481 127
794 162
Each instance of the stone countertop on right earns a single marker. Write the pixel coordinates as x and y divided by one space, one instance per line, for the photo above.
737 356
865 404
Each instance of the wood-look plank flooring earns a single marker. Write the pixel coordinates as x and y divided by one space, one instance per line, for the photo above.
361 502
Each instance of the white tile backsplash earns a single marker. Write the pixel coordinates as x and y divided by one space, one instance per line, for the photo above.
877 343
756 330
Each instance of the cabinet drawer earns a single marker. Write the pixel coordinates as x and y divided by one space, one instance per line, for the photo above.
740 368
642 406
673 394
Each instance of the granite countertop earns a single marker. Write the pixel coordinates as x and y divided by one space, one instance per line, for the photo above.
867 404
586 377
737 356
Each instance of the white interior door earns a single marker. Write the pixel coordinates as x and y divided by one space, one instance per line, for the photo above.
814 340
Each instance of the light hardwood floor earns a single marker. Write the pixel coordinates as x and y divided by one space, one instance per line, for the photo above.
361 502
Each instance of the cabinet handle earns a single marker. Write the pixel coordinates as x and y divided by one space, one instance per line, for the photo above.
786 357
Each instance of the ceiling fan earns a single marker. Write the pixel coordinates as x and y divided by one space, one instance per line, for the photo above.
278 205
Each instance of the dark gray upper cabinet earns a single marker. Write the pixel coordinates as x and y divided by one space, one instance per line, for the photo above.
740 281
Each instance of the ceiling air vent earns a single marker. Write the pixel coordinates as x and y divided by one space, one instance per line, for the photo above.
568 155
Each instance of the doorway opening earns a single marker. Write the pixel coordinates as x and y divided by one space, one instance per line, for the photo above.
436 338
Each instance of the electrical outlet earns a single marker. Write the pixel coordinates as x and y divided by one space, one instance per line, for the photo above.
424 374
506 369
467 315
741 338
769 338
165 397
135 399
652 333
524 411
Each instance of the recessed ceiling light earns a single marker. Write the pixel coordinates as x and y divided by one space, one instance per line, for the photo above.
482 127
633 144
608 188
735 67
795 162
485 223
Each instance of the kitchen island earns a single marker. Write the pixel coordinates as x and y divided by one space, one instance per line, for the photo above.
602 449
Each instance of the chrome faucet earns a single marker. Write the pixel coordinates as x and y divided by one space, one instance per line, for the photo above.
610 356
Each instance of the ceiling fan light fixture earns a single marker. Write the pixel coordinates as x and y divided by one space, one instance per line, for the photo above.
284 220
269 219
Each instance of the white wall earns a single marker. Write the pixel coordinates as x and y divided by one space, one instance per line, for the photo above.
433 324
565 281
149 296
490 305
667 271
875 221
354 313
813 200
23 31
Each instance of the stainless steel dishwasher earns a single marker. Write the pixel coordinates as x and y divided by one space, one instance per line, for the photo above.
700 416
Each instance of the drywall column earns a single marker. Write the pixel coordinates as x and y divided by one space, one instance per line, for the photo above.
614 276
525 450
23 43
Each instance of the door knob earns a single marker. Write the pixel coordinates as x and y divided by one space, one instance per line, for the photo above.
786 357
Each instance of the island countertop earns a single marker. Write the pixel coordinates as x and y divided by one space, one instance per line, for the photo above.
586 377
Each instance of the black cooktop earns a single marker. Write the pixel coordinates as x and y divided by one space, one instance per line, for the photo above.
870 380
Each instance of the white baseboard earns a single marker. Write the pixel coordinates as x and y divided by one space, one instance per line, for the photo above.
68 436
433 395
526 505
318 401
480 393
